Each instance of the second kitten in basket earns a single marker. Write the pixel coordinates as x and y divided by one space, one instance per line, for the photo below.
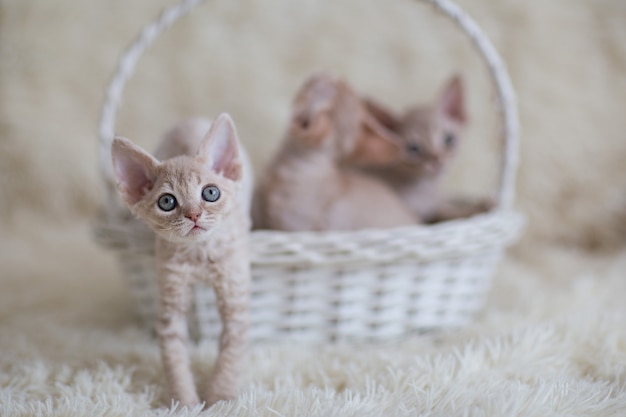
195 197
430 135
311 184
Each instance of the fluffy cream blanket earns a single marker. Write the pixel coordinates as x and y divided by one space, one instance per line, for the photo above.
552 342
552 338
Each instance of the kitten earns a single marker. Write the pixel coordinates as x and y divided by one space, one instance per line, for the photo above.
194 198
430 135
311 183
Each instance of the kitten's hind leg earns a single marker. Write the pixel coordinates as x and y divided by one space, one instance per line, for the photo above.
459 208
173 338
232 302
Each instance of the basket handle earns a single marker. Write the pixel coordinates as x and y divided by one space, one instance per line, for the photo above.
495 64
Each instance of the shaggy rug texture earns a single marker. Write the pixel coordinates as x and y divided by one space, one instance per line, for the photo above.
551 340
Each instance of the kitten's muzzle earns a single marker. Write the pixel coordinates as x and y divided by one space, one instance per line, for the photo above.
193 216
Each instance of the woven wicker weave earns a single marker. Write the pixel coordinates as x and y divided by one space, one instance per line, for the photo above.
319 286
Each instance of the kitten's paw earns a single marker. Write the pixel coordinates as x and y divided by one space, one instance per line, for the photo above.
214 397
485 204
190 400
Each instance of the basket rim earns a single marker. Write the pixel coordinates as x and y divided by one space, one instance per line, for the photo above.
449 240
495 64
424 230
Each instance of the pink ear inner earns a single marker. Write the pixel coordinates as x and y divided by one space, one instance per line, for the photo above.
220 148
451 102
133 169
226 161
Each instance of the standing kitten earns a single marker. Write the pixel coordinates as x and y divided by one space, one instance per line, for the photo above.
194 200
311 183
430 136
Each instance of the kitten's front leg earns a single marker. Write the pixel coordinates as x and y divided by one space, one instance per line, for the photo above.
232 293
173 336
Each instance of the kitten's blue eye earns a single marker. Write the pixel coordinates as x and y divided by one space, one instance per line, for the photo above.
167 202
450 140
413 149
211 193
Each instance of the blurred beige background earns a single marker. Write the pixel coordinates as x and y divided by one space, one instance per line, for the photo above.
567 60
551 340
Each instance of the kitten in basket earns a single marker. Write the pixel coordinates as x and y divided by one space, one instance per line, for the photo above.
430 135
312 182
195 195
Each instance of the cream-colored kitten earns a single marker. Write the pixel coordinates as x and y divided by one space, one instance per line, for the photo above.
195 197
311 183
430 135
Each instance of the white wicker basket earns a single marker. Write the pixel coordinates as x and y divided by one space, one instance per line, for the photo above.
369 284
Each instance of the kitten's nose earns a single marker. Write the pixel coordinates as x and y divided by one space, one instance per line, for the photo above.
436 159
434 164
193 216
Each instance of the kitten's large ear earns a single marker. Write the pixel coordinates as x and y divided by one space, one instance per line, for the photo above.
316 98
451 102
220 148
381 113
135 169
376 145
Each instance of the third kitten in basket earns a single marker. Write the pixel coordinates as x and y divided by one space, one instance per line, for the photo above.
430 135
195 197
311 184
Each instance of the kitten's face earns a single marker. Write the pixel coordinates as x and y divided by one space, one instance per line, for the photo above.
429 141
183 199
187 201
430 135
